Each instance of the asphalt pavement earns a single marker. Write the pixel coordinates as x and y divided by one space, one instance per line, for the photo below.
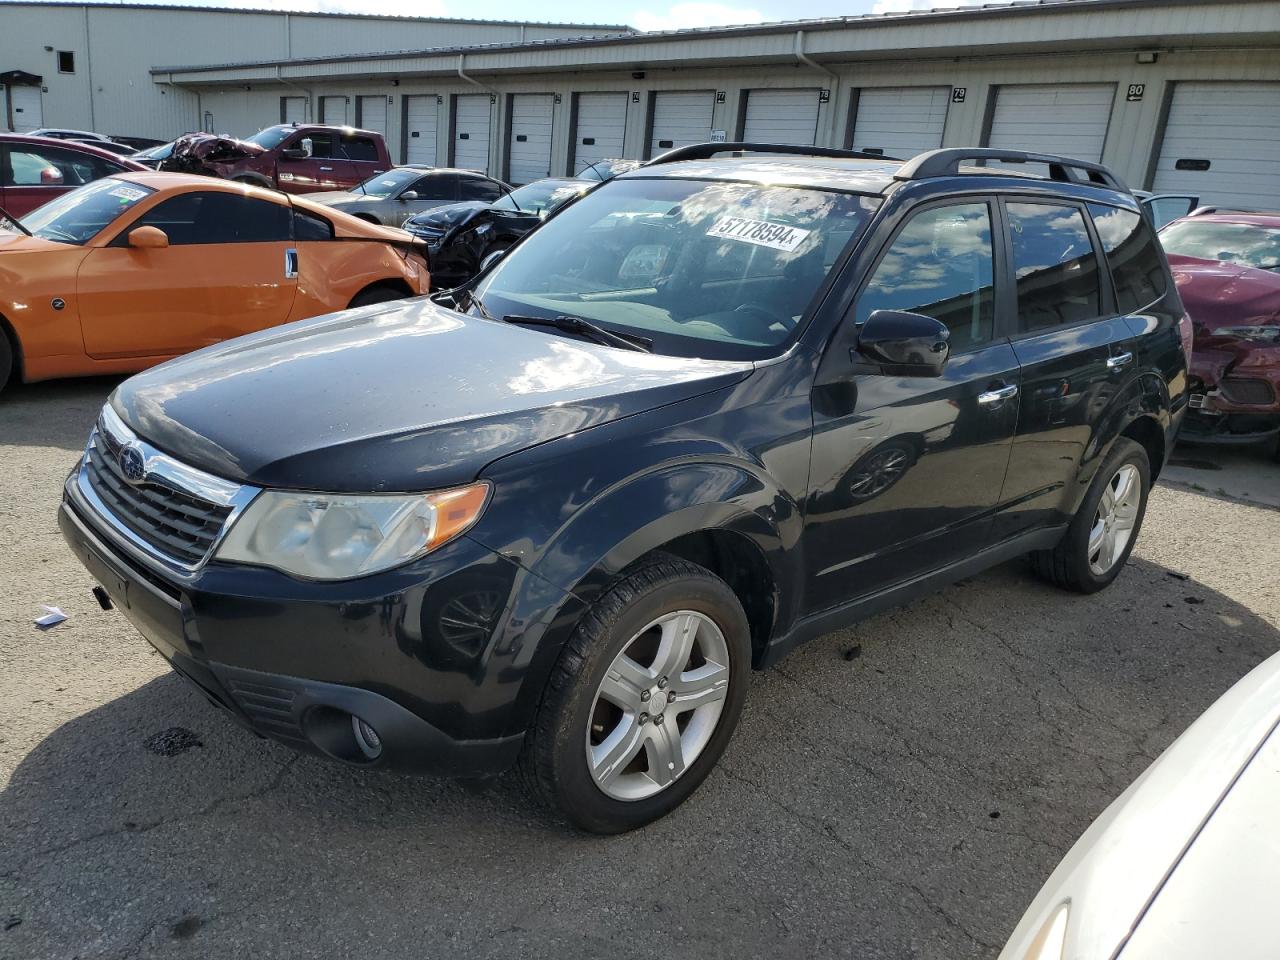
896 790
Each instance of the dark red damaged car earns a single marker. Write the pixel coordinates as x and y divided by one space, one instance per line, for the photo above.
1227 268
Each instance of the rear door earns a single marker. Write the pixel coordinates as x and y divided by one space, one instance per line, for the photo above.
899 121
229 269
906 471
1076 353
600 125
420 129
529 145
678 119
362 157
326 169
470 147
1067 119
781 116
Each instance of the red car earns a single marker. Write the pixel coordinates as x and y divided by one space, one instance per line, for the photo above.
295 158
1227 268
34 170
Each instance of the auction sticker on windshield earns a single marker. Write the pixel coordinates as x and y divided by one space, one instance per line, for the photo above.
777 236
130 194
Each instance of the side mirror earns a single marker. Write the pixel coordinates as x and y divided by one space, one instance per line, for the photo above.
51 177
905 344
408 195
300 152
148 238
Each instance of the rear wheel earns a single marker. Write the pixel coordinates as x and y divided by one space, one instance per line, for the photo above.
1101 536
379 293
644 699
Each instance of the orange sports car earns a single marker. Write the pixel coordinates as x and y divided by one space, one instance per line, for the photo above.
136 268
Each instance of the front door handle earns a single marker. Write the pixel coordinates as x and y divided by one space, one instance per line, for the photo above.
1008 391
1119 360
327 169
291 264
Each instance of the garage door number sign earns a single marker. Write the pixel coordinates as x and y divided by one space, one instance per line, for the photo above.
776 236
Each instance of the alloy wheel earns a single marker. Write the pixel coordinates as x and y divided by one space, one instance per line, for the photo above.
658 705
1114 520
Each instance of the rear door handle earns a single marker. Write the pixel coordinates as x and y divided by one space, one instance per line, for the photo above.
1006 392
1119 360
291 264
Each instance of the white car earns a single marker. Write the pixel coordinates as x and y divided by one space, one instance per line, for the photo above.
1186 863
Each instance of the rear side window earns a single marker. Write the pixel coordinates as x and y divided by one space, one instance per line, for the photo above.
1055 266
192 218
309 226
1130 246
939 265
473 188
359 148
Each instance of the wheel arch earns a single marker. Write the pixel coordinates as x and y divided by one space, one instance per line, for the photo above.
15 346
392 283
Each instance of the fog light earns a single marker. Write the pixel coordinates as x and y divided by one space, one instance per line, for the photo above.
367 738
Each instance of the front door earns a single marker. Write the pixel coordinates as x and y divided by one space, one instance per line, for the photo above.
32 174
907 471
226 272
325 169
1076 355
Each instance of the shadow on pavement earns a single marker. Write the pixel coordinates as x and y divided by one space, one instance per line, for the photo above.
54 413
898 790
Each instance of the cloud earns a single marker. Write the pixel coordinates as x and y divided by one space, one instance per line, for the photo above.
902 6
681 16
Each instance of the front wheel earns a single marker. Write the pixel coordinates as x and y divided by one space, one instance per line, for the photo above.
1102 534
6 359
644 698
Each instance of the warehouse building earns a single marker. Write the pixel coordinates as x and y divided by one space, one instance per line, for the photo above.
1176 95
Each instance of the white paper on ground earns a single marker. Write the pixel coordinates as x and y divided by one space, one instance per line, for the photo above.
52 617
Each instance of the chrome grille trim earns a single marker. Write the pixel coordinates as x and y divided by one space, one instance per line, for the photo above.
195 506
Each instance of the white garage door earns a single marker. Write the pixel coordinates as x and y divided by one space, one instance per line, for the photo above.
27 112
333 110
293 109
471 131
601 128
781 116
529 148
1069 120
420 129
680 119
1222 143
900 121
373 114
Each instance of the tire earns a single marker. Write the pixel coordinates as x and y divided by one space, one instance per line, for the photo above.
6 358
1073 564
378 293
577 715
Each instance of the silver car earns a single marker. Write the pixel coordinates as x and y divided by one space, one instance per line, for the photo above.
393 197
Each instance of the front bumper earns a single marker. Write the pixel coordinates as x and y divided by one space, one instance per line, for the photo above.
417 653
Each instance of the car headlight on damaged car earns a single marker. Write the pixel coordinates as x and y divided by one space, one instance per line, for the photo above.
323 536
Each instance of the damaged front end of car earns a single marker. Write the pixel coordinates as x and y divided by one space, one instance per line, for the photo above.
1235 386
208 154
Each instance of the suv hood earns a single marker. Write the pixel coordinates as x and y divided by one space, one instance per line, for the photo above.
411 397
1220 294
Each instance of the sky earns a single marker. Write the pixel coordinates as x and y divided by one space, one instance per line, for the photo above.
642 14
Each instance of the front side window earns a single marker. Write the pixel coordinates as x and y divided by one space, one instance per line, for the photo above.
310 226
940 265
438 186
475 188
389 184
192 218
1054 265
1244 244
1131 252
78 216
721 270
41 166
321 144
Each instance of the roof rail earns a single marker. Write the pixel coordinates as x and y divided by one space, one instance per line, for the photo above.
704 151
1201 211
946 163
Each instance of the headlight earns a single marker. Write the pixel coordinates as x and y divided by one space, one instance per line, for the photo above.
1250 332
324 536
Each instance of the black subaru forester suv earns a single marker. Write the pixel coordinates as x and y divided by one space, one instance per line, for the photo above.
739 397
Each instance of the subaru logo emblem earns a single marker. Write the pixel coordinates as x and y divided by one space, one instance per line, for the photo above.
132 464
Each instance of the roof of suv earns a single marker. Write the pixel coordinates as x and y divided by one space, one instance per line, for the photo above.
824 173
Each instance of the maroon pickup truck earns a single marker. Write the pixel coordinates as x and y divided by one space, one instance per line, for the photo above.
295 158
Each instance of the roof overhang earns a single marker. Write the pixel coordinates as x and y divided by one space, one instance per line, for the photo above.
20 78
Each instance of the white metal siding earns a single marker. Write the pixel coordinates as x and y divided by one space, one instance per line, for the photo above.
1067 119
900 121
295 109
25 103
420 129
471 132
680 119
781 116
1234 126
333 110
602 120
529 149
373 114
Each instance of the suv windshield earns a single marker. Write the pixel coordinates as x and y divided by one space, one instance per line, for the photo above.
1245 244
270 138
388 184
541 197
721 270
76 217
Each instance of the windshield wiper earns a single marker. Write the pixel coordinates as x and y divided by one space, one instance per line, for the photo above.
474 301
584 328
7 217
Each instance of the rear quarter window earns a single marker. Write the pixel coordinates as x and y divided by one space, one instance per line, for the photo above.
310 226
1131 251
